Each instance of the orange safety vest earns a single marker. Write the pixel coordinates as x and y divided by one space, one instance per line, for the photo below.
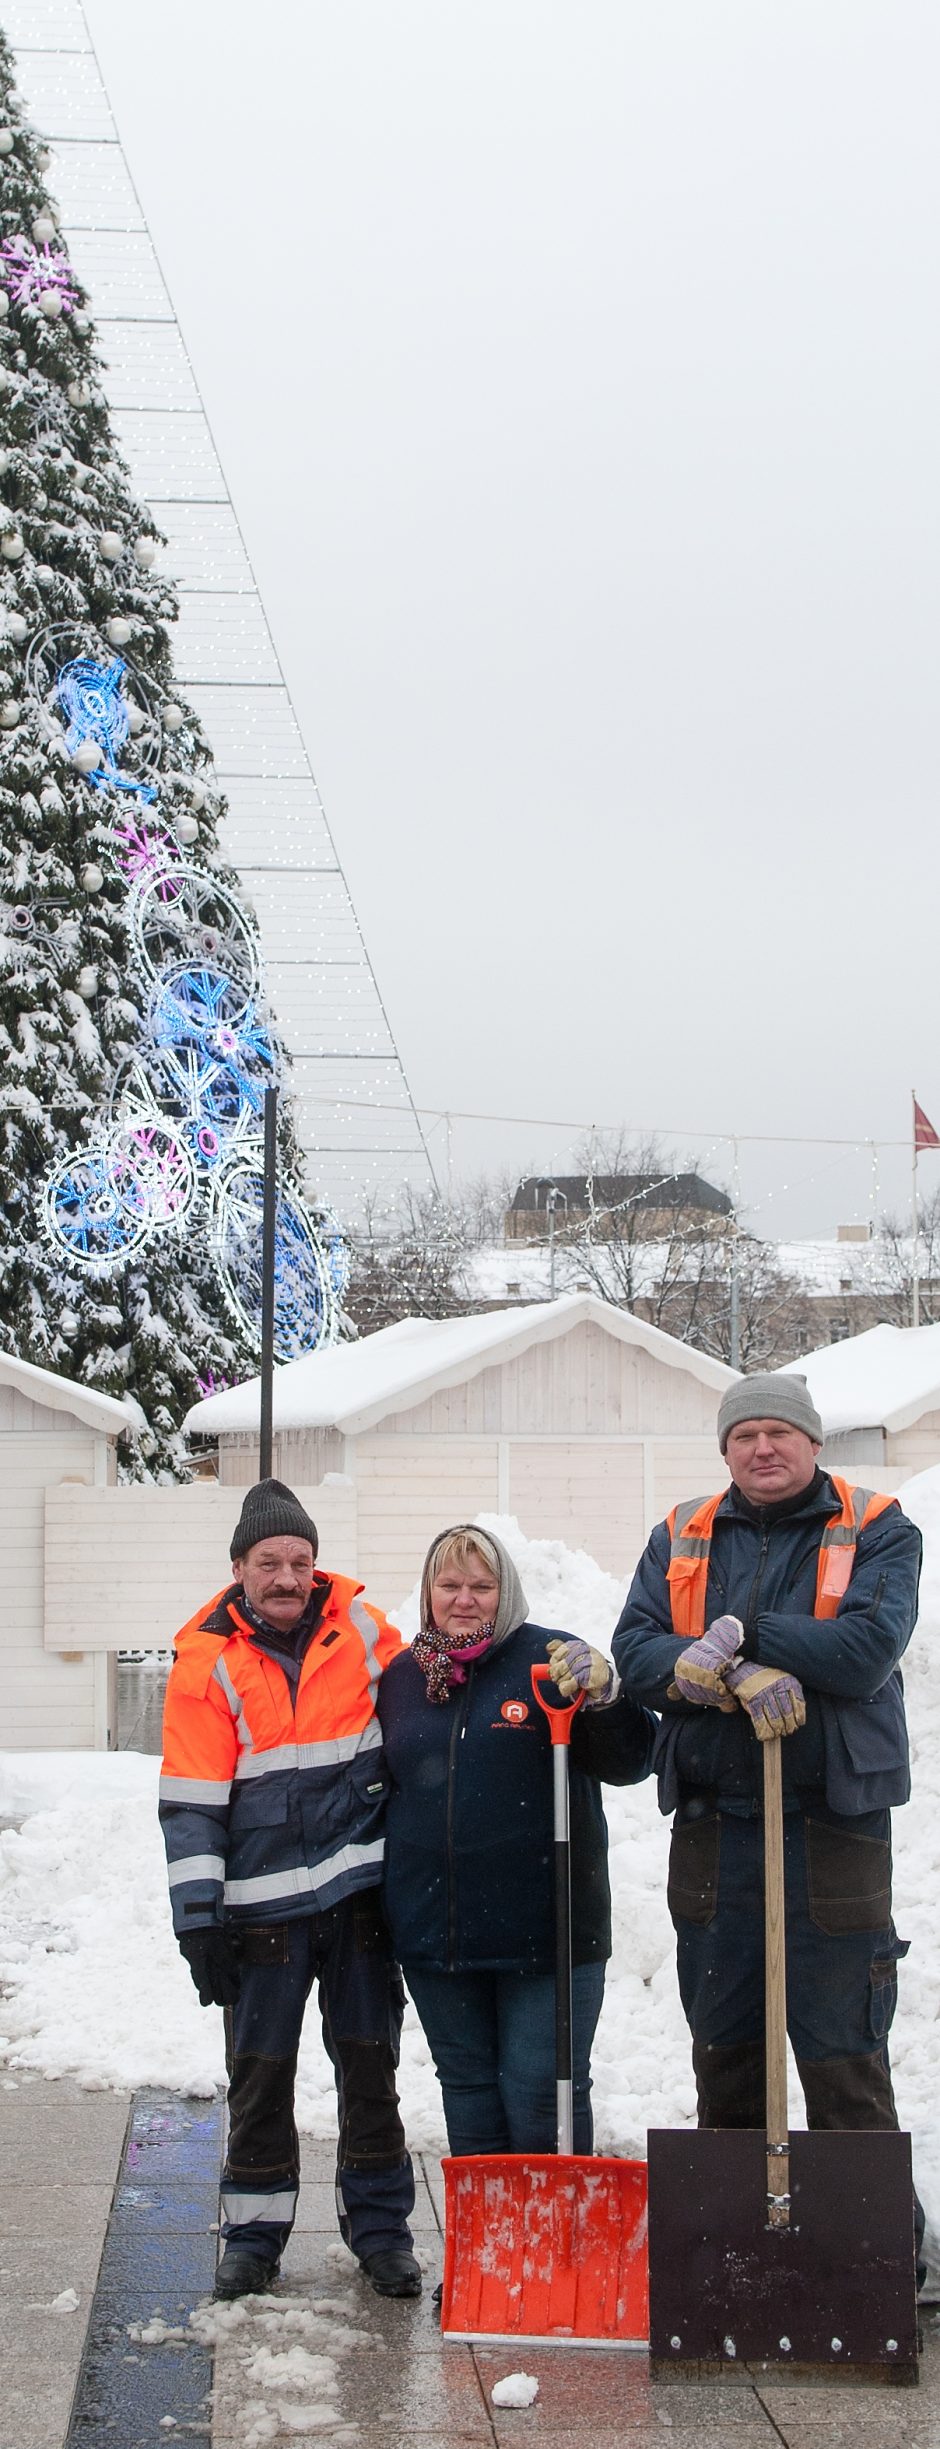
690 1535
273 1803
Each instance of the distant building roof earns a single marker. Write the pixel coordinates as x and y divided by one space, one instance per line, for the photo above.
613 1189
60 1394
885 1378
351 1386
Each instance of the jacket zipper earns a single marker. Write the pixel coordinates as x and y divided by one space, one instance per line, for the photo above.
756 1583
458 1730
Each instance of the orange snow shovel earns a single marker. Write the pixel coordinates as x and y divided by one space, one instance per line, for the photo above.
547 2248
770 2248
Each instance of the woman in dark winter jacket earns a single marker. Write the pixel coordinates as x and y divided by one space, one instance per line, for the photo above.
469 1872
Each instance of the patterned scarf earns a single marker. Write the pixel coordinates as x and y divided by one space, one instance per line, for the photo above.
445 1657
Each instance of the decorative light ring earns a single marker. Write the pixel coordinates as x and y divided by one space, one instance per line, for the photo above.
303 1300
52 651
202 1008
200 921
158 1160
94 1212
205 1097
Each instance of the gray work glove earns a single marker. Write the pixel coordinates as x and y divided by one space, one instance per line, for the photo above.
701 1670
773 1699
575 1668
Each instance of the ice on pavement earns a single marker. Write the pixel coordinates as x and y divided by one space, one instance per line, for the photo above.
94 1986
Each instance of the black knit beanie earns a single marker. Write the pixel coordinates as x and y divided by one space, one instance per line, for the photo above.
271 1511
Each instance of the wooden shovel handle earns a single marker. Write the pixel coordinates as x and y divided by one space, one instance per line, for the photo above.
775 1992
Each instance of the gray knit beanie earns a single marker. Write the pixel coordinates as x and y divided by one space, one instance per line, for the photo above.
770 1395
271 1511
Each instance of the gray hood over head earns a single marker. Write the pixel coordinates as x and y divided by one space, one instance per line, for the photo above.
513 1606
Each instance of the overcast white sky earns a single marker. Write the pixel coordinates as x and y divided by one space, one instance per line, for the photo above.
574 369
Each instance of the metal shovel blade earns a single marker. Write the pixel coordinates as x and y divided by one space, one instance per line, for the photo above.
834 2288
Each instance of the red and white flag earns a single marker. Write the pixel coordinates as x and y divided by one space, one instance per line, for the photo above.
924 1134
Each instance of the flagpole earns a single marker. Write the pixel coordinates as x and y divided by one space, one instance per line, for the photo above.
915 1281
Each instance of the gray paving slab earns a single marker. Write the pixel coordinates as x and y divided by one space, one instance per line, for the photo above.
57 2210
52 2231
35 2411
40 2267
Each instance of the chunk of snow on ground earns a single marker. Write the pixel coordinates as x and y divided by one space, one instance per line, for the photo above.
518 2389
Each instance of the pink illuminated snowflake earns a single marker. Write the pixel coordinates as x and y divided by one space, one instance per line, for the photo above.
211 1385
145 850
27 271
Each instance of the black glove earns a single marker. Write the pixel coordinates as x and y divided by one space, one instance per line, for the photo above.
213 1959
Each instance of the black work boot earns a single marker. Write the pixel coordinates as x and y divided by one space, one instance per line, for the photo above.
396 2273
243 2273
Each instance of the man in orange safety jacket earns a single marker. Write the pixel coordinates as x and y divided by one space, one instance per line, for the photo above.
272 1803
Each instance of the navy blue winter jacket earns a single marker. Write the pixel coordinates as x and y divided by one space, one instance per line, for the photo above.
469 1835
762 1569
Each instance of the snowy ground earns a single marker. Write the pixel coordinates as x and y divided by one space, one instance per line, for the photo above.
92 1985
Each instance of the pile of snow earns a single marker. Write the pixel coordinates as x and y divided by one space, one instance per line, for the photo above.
278 2369
94 1987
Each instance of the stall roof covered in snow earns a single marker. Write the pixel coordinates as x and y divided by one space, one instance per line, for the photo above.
886 1378
102 1412
351 1386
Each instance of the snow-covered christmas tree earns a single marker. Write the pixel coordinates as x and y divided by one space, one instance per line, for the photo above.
135 1043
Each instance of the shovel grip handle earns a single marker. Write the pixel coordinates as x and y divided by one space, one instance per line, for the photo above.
558 1713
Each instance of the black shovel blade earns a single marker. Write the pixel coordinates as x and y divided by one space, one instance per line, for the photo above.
836 2288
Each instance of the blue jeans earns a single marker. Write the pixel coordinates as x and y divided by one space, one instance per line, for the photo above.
492 2038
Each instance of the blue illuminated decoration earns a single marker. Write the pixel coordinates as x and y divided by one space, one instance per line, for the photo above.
95 1209
183 1129
304 1309
91 696
203 1012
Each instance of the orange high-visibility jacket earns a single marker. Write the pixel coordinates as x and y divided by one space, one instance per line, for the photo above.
273 1806
690 1540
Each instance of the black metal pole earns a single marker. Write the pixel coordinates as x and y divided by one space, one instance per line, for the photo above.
269 1213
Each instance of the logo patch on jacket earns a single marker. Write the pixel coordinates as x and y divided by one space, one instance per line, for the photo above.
515 1712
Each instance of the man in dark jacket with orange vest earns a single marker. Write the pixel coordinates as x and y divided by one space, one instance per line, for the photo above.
272 1802
780 1608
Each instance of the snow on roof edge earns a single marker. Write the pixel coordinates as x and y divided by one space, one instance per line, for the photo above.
433 1356
107 1412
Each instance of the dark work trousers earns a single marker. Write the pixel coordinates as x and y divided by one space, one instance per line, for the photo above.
842 1954
360 1994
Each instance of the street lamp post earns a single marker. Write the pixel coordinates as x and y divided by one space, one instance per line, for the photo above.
552 1198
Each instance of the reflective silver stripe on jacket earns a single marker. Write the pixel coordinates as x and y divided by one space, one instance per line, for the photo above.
220 1675
238 2209
195 1790
303 1881
369 1635
680 1545
327 1755
845 1534
196 1866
